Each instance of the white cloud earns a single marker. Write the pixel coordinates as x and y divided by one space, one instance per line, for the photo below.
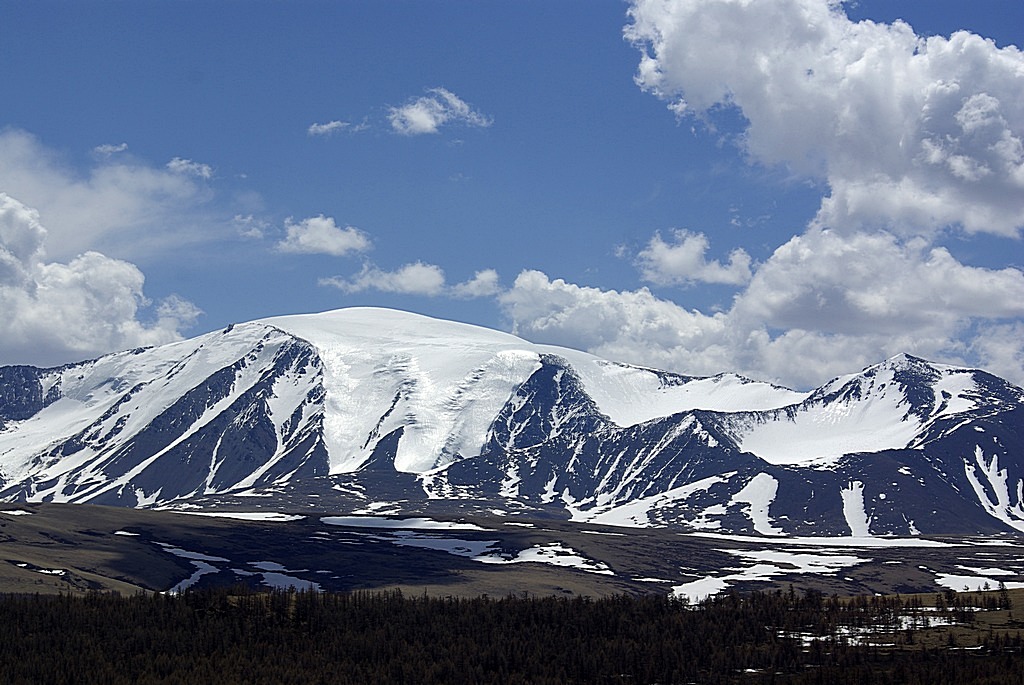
59 312
427 114
417 278
411 279
320 235
108 206
190 168
683 262
629 326
327 128
484 283
912 134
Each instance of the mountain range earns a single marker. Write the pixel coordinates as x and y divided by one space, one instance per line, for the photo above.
375 411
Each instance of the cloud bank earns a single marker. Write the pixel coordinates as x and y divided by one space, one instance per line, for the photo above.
917 139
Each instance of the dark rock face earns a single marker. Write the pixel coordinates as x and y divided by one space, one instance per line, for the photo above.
22 394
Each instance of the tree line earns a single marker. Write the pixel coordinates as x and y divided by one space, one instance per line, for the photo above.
238 635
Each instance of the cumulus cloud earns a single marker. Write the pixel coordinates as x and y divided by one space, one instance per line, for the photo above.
427 114
633 326
416 278
911 133
108 206
915 137
58 312
320 235
682 262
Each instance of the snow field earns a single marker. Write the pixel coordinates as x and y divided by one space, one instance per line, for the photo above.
444 382
878 419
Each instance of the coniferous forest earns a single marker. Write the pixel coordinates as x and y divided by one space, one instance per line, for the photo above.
307 637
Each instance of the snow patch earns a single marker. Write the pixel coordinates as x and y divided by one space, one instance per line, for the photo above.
276 576
638 512
198 560
759 493
441 382
554 554
871 541
244 515
987 571
976 583
853 510
454 546
630 395
765 565
870 418
407 523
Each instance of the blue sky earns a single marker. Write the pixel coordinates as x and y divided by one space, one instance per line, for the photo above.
836 189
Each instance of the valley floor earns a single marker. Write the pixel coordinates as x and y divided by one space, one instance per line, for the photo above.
60 548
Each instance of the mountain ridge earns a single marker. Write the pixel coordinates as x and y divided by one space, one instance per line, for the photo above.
367 409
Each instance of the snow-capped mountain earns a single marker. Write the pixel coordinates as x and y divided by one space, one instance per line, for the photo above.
362 410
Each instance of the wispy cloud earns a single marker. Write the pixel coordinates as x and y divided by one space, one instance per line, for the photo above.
327 129
250 226
427 114
107 206
485 283
109 149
